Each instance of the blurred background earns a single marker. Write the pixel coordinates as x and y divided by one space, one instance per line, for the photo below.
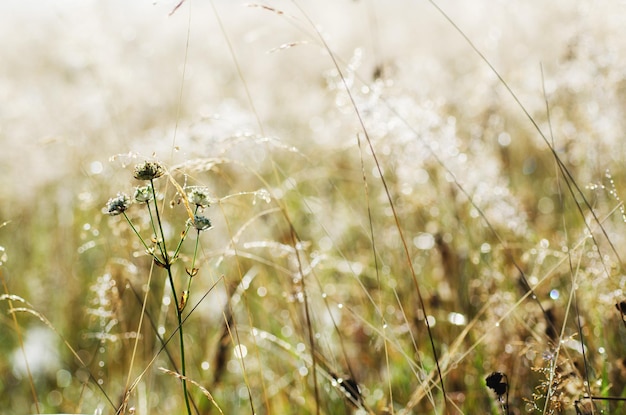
246 99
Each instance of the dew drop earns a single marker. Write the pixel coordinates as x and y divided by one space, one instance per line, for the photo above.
95 167
240 351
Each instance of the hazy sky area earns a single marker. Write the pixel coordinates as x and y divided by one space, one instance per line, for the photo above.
106 76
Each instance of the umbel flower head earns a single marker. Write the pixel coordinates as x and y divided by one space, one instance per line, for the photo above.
148 170
201 223
198 196
143 194
117 205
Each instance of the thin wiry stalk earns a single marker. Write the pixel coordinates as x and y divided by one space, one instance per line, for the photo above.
159 233
139 325
20 341
377 270
183 78
180 335
572 185
30 310
376 306
257 117
522 275
157 241
169 338
191 272
309 324
405 246
294 239
153 325
202 388
229 320
569 179
504 316
233 239
183 235
143 242
573 273
168 267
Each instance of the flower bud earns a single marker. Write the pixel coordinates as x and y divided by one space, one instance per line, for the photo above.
117 205
198 196
200 222
143 194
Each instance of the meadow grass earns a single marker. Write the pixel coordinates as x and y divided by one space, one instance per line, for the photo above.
359 207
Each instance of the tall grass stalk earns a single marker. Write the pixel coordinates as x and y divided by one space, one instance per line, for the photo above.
394 226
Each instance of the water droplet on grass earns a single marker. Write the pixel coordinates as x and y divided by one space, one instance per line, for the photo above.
240 351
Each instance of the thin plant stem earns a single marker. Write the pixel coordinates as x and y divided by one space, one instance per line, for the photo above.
160 243
143 242
182 339
193 261
167 261
20 340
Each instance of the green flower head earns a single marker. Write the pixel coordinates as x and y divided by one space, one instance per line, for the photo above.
117 205
198 196
201 223
143 194
148 170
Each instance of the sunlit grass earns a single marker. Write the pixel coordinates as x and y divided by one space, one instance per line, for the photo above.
384 215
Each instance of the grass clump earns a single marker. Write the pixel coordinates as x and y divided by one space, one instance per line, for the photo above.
433 227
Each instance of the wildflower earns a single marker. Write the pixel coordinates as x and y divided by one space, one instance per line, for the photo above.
198 196
143 194
117 205
200 222
148 170
497 382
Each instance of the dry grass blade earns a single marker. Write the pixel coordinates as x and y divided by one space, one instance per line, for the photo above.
76 355
399 184
193 382
177 6
285 46
10 298
390 201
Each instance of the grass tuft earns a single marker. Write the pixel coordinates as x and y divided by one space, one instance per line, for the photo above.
357 208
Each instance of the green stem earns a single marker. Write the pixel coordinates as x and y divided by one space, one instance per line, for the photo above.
143 242
193 260
191 273
182 238
179 316
160 243
168 266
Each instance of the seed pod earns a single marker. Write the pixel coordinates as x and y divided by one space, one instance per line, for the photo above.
183 301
